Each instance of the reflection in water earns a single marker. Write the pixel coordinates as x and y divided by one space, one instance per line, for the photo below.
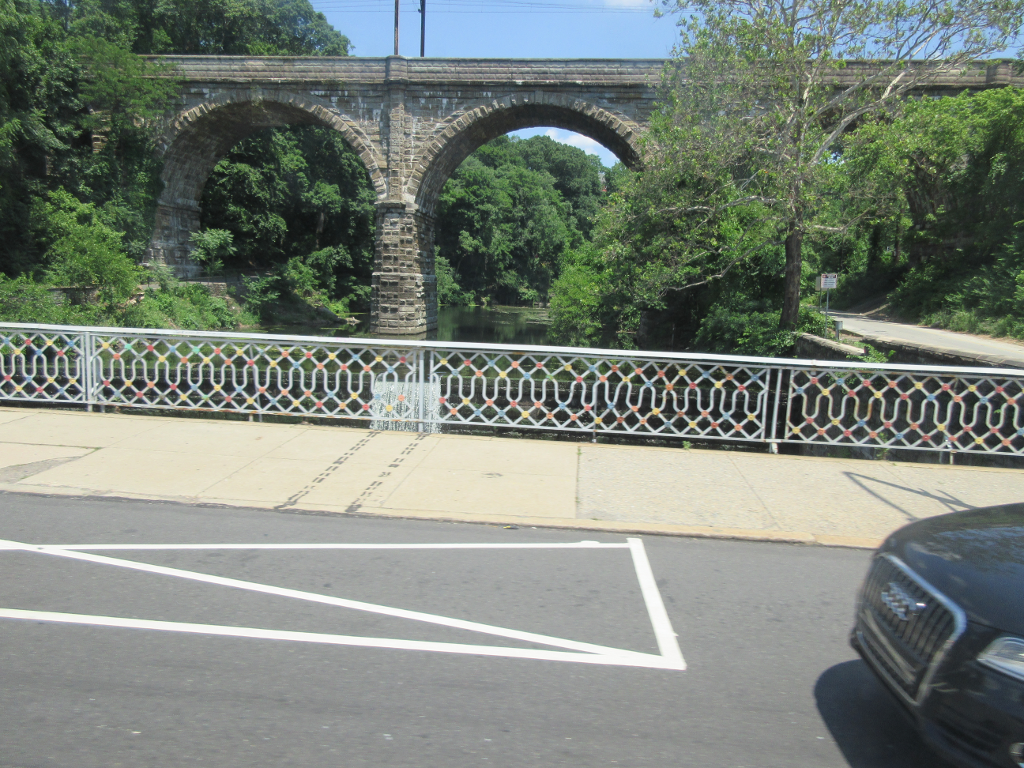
493 325
483 325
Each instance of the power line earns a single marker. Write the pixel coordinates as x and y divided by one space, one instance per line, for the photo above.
475 6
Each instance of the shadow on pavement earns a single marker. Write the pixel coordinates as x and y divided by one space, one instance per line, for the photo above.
868 726
952 504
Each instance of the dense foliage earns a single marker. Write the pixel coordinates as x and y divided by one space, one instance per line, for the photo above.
507 215
78 176
297 200
759 171
924 210
212 27
945 243
753 95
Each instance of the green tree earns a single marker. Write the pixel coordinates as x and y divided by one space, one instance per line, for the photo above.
83 251
212 247
296 194
38 119
950 176
78 176
577 175
762 94
509 212
63 87
124 103
579 307
502 229
211 27
955 165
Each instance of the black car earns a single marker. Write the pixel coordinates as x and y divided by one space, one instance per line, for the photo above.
940 619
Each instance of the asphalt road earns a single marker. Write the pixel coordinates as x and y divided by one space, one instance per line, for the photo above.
931 337
770 680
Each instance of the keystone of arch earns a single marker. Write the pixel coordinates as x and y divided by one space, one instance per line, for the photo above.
190 120
465 131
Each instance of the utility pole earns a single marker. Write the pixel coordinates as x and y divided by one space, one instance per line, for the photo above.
396 27
423 27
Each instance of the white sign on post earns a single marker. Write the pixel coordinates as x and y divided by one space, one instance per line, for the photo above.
828 282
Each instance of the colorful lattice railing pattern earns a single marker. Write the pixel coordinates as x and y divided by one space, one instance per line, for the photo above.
546 390
424 385
907 409
43 366
303 376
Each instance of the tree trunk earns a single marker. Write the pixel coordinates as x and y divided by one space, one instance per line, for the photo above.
794 268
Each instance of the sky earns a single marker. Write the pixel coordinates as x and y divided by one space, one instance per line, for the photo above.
526 29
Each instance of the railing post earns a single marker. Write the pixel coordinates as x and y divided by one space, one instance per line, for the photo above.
423 391
773 441
88 374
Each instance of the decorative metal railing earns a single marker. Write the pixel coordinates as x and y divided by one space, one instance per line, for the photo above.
427 385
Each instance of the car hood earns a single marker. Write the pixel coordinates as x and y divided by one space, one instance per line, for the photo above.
975 558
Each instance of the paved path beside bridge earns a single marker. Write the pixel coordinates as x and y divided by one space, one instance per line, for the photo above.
1005 353
525 482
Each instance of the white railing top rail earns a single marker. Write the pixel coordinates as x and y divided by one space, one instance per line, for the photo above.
698 357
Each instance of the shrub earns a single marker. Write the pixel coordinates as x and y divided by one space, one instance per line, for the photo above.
211 248
83 251
186 306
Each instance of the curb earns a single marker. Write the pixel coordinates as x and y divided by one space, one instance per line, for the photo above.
579 524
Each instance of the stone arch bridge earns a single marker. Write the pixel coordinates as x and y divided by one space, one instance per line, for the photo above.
413 122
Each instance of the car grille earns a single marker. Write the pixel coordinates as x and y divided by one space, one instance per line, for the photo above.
903 626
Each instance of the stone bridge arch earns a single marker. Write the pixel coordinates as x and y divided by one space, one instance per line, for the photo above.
464 133
404 285
412 121
198 137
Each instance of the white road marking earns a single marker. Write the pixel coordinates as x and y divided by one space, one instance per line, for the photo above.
401 613
671 656
663 632
126 547
627 659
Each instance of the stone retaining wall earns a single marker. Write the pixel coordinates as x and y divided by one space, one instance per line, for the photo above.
812 347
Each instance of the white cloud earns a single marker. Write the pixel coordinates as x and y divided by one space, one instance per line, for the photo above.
629 4
585 143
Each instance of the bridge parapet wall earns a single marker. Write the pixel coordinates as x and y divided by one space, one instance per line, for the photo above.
358 71
310 70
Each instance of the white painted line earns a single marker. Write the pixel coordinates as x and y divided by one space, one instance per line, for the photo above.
628 660
401 613
663 632
129 547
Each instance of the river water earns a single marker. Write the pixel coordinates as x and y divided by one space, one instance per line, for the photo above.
494 325
482 325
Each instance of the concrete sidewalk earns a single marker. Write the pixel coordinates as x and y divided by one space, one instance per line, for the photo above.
484 479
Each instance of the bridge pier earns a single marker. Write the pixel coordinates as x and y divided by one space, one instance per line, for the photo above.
170 245
403 300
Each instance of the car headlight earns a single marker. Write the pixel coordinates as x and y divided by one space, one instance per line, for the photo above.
1005 654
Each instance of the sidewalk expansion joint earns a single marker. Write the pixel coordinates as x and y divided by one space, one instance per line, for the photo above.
331 468
395 463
